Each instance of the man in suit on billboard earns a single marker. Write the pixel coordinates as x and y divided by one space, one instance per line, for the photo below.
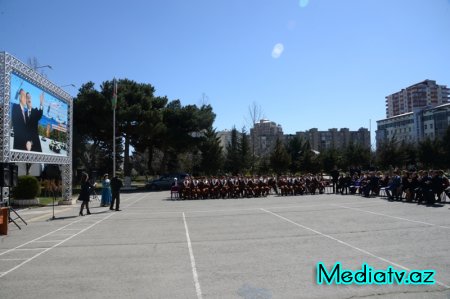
19 119
34 115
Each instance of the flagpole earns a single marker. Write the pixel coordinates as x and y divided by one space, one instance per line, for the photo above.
114 142
114 125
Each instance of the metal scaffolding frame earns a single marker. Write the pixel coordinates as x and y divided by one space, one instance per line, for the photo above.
8 65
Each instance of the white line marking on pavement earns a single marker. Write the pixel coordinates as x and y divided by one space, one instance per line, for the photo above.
191 254
12 259
395 217
43 241
50 248
314 206
63 234
137 200
348 245
24 244
143 212
37 248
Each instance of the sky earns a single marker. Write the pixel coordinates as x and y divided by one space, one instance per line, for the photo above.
307 64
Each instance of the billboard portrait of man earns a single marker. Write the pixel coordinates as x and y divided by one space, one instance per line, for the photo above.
19 119
34 116
38 119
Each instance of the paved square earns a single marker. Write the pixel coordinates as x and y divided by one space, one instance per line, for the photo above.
233 248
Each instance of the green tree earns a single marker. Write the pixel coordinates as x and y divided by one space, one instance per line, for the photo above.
156 128
92 131
232 162
134 101
308 159
211 153
446 149
407 154
263 166
151 132
430 153
185 126
279 158
357 156
244 152
329 159
387 154
295 148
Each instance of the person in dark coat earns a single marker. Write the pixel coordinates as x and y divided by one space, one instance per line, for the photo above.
334 179
34 116
116 184
19 119
85 193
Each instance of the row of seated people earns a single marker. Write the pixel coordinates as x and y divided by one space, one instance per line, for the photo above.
299 185
224 187
240 186
420 186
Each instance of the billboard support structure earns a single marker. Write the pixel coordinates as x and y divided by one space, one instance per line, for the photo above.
11 68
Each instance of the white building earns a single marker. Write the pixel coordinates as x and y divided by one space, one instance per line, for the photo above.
334 138
416 126
423 94
264 135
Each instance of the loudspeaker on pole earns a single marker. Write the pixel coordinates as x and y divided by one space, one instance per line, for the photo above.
14 173
5 175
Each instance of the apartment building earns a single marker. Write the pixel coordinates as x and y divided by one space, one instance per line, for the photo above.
264 135
334 138
416 126
423 94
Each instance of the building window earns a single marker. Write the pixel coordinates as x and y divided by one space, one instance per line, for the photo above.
431 126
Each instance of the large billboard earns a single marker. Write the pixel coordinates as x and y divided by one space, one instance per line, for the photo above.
35 120
35 116
38 119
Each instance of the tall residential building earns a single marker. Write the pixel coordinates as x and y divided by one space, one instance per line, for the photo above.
419 95
322 140
263 136
416 126
225 138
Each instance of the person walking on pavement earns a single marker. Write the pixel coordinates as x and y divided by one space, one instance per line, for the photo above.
116 184
85 193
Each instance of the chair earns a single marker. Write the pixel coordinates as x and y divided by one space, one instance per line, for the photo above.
443 196
174 192
383 192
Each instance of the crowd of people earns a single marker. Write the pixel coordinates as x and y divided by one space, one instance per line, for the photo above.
421 186
249 186
411 186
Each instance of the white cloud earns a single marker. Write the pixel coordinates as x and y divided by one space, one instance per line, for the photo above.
277 50
303 3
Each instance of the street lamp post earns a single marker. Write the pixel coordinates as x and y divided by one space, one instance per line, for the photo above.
42 66
73 85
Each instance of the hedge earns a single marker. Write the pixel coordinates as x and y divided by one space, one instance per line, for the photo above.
28 187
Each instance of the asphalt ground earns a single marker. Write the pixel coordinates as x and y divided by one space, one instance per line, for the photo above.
234 248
